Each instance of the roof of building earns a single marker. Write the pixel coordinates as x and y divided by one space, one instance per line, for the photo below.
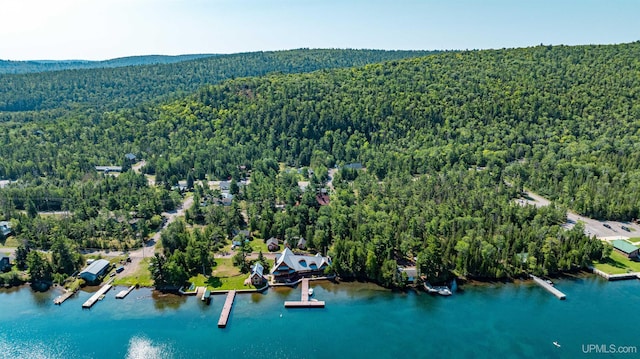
624 246
300 263
354 166
109 168
411 272
5 227
302 242
130 156
96 267
272 240
225 185
257 269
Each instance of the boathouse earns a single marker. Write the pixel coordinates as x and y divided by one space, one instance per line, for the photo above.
625 248
94 270
288 265
257 276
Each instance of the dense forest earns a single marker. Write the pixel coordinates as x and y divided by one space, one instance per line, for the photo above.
130 86
23 67
448 142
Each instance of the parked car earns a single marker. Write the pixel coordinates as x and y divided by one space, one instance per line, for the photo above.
607 225
626 228
120 269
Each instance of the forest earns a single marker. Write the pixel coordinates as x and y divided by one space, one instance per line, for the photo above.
34 66
448 142
110 88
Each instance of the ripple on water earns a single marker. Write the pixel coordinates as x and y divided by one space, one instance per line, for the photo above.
32 350
143 348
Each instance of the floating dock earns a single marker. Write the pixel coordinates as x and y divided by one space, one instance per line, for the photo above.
226 309
95 297
304 299
124 293
550 288
60 299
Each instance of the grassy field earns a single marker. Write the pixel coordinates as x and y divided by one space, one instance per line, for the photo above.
141 277
12 241
225 277
617 264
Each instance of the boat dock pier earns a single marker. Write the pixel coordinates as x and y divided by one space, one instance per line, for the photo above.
226 309
623 276
96 296
304 299
549 287
124 293
61 298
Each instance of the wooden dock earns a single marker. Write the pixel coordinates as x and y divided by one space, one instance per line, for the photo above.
550 288
304 299
124 293
611 277
300 304
226 309
96 296
61 298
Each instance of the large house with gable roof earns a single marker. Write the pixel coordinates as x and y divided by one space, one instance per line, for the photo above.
288 265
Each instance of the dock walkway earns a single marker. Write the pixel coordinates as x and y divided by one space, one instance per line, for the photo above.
623 276
550 288
304 298
61 298
95 297
124 293
226 309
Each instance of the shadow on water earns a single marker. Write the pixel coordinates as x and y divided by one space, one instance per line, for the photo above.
258 297
42 298
163 301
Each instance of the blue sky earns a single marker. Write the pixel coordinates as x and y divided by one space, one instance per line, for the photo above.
103 29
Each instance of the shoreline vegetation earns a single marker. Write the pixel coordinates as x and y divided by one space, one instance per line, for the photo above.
410 168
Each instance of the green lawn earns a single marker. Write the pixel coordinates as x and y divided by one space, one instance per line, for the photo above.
12 241
225 277
141 277
617 264
258 245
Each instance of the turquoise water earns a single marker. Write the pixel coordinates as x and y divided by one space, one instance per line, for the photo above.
512 320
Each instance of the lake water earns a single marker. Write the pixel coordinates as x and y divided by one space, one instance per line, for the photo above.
359 321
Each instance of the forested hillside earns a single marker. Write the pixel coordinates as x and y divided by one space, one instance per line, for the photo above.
23 67
131 86
440 136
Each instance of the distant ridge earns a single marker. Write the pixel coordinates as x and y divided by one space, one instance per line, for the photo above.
34 66
112 87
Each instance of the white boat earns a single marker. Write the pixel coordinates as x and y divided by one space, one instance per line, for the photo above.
310 291
444 291
556 344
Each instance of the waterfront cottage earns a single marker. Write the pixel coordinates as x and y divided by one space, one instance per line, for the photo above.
625 248
257 276
289 265
94 270
411 274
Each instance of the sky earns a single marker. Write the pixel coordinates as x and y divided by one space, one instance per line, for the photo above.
105 29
